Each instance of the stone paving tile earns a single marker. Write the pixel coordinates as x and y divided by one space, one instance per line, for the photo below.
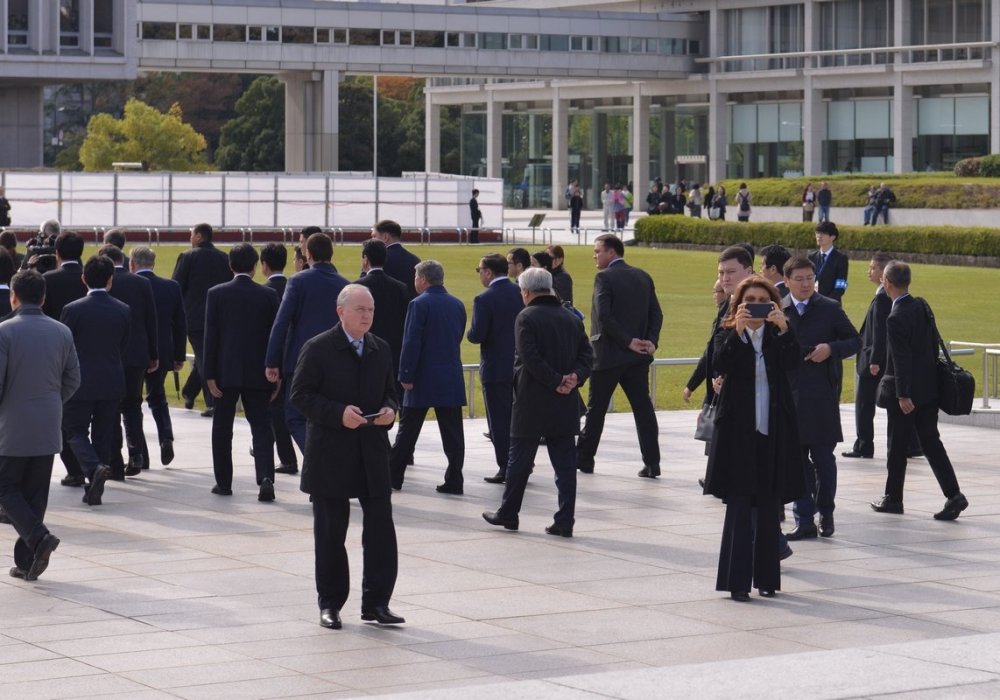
260 688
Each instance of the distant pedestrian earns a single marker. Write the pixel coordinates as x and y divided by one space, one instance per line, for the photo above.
743 201
824 198
476 215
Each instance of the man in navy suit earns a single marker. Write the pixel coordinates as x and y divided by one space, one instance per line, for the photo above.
400 263
171 335
307 309
830 263
238 319
430 370
772 266
273 259
910 386
625 322
100 327
826 337
141 358
493 314
198 270
391 300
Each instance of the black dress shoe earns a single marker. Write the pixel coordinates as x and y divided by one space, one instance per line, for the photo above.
498 478
701 483
17 572
785 553
382 615
952 507
188 402
453 490
219 491
802 532
208 413
266 493
887 505
585 465
740 596
826 525
649 472
766 593
166 452
559 530
286 469
855 454
134 467
488 437
42 553
330 618
495 518
73 480
92 496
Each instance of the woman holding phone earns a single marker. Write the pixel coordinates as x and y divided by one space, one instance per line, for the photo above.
755 462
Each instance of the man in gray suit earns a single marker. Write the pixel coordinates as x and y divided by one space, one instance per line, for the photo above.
39 372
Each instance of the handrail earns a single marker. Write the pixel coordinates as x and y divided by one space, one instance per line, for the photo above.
849 52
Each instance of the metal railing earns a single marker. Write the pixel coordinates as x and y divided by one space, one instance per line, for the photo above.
991 361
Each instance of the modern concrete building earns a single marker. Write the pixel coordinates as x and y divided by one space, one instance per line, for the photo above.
555 90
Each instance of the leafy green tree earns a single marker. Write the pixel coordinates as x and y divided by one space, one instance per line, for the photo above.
255 139
161 141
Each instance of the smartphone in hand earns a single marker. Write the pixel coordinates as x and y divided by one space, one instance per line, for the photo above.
760 310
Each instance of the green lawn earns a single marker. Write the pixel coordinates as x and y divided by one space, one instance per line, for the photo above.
684 281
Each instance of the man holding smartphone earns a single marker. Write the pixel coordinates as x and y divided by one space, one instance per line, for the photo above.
826 337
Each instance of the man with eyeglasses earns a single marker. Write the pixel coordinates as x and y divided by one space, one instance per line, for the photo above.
826 337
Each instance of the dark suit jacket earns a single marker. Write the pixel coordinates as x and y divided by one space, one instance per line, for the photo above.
832 276
308 308
705 371
782 288
338 462
277 282
474 212
551 343
494 311
391 299
817 385
100 327
401 264
238 319
137 292
562 284
431 358
198 270
4 303
873 333
912 351
624 307
171 323
63 286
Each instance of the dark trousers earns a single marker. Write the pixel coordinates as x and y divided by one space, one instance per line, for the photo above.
294 420
378 540
69 459
574 218
279 428
634 380
864 412
499 398
89 427
131 413
255 406
195 382
923 419
821 482
748 557
562 454
156 399
449 420
474 231
24 495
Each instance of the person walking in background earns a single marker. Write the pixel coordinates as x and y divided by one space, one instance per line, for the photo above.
476 215
629 202
618 206
720 202
562 282
743 202
39 372
575 207
831 265
608 205
909 388
808 203
824 199
399 262
553 358
695 201
625 322
754 464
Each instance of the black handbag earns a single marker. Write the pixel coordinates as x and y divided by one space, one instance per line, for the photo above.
705 428
956 386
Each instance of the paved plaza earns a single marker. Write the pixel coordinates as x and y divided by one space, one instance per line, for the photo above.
167 591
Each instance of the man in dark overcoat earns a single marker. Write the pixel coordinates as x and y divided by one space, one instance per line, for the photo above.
343 384
553 358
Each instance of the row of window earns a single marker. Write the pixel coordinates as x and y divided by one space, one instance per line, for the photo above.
239 33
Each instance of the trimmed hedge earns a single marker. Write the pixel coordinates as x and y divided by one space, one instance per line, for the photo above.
929 191
921 240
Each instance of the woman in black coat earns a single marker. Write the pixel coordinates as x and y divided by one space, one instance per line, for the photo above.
755 462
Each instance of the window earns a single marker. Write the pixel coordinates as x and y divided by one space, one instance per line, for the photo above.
185 31
388 37
434 40
339 36
202 32
453 39
159 30
405 38
555 42
322 35
258 33
69 23
103 24
297 35
364 37
229 32
492 41
205 32
614 44
469 40
583 43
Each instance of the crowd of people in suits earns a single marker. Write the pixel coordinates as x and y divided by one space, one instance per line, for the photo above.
332 378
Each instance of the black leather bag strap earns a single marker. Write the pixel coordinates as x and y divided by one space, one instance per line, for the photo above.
937 335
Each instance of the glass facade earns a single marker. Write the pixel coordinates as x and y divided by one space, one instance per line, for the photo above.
949 128
763 30
948 22
858 136
765 140
855 24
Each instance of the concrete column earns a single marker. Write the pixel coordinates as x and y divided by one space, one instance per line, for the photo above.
86 26
560 149
668 144
494 135
902 126
432 135
901 26
813 127
21 126
717 133
295 121
640 140
325 134
312 121
598 153
810 17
